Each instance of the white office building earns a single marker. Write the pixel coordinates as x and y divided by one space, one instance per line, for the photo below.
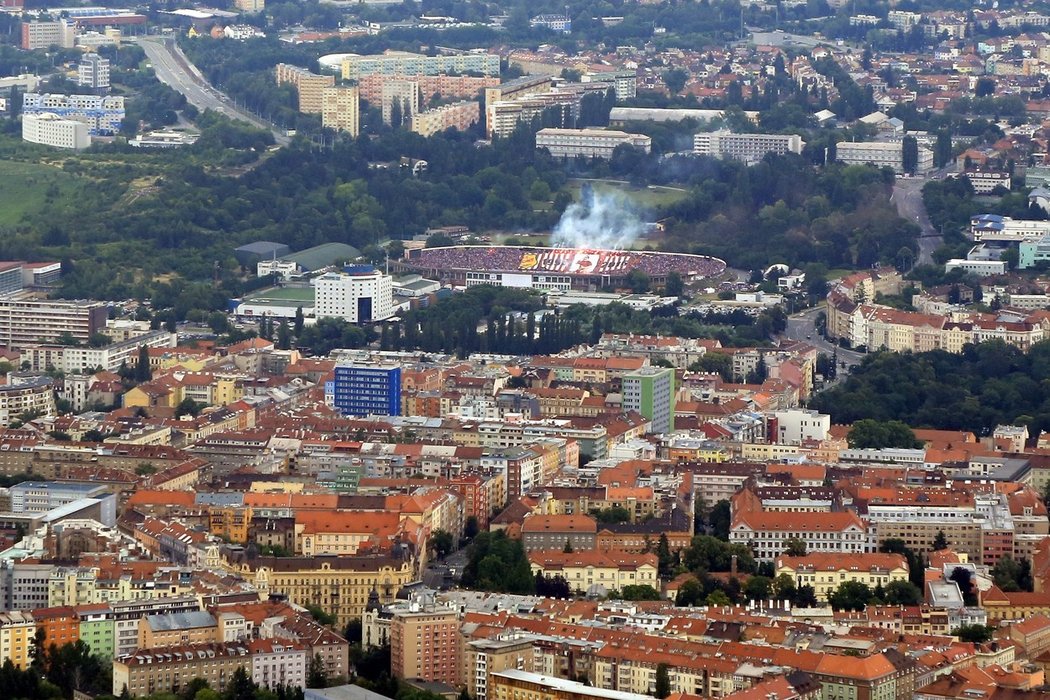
750 148
881 154
980 268
360 294
93 73
52 130
103 115
589 143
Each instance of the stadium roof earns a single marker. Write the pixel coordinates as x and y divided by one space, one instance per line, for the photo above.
323 255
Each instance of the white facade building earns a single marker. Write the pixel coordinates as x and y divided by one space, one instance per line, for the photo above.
52 130
797 425
93 72
881 154
981 268
589 143
359 295
749 148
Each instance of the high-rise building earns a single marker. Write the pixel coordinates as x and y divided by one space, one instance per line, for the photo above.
750 148
424 644
43 35
882 154
341 109
650 391
93 73
367 390
359 294
310 86
25 322
52 130
404 94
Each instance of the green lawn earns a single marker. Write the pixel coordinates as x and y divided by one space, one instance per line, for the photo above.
29 187
645 197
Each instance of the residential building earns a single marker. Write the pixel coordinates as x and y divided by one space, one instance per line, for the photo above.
341 109
651 392
464 87
826 571
31 396
424 644
485 656
589 143
404 63
623 82
93 73
44 35
514 684
102 114
250 5
881 154
458 115
750 148
405 95
559 532
170 669
768 533
359 294
794 426
368 390
17 630
597 571
85 359
309 86
172 629
52 130
278 662
987 182
555 23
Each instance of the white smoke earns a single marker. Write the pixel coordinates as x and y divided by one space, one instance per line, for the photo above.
601 220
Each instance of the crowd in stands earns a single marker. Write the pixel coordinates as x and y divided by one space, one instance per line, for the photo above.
564 261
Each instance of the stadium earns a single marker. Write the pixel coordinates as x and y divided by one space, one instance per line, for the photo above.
551 268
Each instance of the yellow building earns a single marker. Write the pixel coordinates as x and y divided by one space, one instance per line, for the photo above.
610 570
339 585
826 571
482 657
341 109
309 86
231 523
16 637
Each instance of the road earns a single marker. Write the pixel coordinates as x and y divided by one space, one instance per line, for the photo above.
801 326
907 196
175 70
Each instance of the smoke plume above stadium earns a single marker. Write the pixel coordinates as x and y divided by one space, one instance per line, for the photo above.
600 220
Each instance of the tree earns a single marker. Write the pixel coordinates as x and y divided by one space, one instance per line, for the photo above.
962 576
664 557
717 597
690 594
470 527
639 592
300 321
638 281
758 588
674 287
795 547
940 541
721 516
441 542
663 681
974 634
567 549
284 336
909 155
675 80
869 433
142 368
902 593
316 675
850 595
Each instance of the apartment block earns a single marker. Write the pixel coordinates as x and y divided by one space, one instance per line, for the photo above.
424 644
485 656
459 115
651 392
597 570
403 93
170 669
309 86
74 359
750 148
404 63
825 571
33 395
341 110
430 86
93 73
250 5
589 143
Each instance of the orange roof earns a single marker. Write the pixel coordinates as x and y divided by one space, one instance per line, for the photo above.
559 523
835 561
147 497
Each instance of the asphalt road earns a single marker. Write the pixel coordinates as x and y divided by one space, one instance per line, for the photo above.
801 326
175 70
907 196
